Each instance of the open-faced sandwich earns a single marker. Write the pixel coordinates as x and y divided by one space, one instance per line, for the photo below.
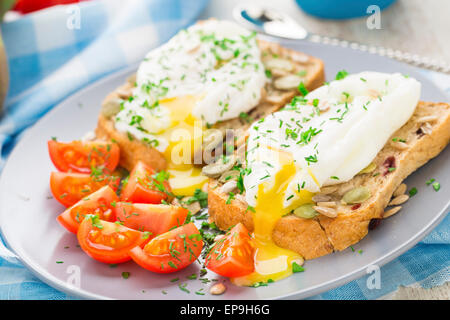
220 119
320 171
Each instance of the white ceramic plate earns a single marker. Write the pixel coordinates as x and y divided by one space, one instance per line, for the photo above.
27 216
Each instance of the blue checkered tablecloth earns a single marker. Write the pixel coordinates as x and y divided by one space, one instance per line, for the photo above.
51 58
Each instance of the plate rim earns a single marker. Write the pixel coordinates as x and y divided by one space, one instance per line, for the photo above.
62 286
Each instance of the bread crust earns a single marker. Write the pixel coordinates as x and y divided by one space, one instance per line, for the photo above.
134 150
322 235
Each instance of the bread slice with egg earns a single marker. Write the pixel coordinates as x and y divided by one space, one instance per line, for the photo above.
343 219
285 67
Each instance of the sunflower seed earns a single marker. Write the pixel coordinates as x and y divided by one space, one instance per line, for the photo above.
229 186
275 99
218 289
329 212
400 145
426 128
279 64
399 200
125 92
321 198
391 212
288 82
426 119
328 190
401 189
328 204
193 207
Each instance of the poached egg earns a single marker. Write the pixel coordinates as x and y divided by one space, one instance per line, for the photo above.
324 138
207 73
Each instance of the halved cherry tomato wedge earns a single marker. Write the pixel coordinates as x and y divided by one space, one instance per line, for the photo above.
170 251
69 188
156 218
232 256
100 203
108 242
144 185
82 156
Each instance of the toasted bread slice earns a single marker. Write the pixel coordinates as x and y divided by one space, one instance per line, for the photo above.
426 134
287 68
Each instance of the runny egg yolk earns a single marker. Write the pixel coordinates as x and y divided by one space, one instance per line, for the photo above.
185 139
272 262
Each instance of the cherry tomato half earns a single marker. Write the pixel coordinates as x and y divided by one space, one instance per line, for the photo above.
146 186
83 156
170 251
156 218
69 188
232 256
108 242
100 203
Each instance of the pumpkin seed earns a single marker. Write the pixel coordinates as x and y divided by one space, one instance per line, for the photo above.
306 211
400 190
372 166
329 212
229 176
280 64
111 107
288 82
223 164
356 195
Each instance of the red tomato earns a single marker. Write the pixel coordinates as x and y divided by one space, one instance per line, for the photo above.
100 203
27 6
232 256
78 156
156 218
170 251
144 186
108 242
69 188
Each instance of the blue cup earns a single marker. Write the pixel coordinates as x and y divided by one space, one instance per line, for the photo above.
340 9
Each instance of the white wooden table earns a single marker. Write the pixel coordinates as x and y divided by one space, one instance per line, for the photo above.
415 26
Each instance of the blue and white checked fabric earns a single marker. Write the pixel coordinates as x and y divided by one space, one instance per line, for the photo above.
49 61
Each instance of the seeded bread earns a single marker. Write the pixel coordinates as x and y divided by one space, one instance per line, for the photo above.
286 68
422 138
